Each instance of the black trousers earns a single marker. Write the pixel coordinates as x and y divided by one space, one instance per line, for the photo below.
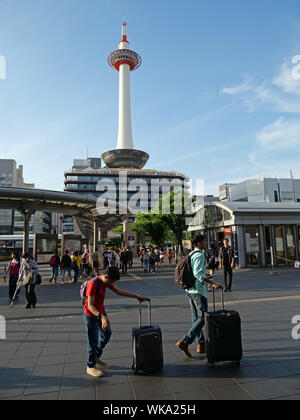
12 286
30 294
227 270
124 266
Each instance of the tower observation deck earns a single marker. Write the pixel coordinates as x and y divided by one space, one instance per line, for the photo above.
124 60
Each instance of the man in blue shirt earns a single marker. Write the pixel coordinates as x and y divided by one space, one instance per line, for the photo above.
198 297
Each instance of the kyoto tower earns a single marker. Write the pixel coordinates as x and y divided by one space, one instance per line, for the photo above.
124 60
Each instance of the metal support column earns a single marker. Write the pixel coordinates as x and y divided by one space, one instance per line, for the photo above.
262 246
95 236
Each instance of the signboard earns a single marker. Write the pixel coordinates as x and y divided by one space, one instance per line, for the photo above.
44 246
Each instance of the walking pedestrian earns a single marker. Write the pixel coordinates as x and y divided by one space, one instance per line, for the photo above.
130 257
197 296
55 263
124 260
227 263
106 255
170 256
85 263
211 255
96 320
152 260
13 271
95 261
161 257
65 266
76 265
145 261
28 274
116 258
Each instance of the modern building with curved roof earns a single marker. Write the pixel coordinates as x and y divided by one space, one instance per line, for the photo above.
254 230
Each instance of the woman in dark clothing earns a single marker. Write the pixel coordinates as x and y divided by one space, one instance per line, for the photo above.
13 271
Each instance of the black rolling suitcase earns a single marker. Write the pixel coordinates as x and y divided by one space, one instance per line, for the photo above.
223 336
147 345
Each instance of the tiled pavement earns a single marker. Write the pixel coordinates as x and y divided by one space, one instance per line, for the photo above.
45 351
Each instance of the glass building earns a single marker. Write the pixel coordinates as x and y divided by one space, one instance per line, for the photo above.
267 190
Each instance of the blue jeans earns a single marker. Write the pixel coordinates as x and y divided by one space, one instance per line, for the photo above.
199 306
54 273
76 274
97 339
152 265
68 269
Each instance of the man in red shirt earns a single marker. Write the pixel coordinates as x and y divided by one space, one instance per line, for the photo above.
96 320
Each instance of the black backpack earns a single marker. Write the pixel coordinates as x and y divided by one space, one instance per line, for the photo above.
184 276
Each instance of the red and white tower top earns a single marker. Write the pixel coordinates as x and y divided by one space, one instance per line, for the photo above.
124 55
124 60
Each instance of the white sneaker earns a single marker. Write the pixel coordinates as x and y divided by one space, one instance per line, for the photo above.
96 373
102 365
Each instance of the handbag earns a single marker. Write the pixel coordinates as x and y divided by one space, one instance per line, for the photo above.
38 279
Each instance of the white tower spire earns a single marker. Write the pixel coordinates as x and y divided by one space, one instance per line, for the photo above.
124 61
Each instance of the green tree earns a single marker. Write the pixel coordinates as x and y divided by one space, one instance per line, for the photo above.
152 225
176 217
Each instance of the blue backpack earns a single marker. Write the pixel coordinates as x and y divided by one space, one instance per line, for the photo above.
83 289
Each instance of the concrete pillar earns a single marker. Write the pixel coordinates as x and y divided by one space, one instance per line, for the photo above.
27 215
95 236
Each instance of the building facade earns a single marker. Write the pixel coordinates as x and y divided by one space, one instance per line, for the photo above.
267 190
11 221
258 232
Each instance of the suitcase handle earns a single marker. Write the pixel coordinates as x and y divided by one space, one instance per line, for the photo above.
149 312
214 300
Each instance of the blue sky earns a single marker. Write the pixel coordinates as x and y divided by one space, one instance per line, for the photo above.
217 96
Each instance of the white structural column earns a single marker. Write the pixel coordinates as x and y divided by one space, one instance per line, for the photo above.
125 139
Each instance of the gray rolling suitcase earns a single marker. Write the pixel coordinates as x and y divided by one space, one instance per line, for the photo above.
147 345
223 336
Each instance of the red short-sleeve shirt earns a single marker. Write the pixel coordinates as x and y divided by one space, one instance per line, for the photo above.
96 289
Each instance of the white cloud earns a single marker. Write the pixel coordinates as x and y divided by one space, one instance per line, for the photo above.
283 134
288 78
245 86
281 94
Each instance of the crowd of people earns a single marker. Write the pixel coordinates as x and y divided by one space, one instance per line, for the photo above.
153 258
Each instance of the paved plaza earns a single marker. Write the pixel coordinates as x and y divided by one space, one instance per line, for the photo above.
44 354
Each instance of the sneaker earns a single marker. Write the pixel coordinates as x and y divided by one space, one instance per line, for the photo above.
184 347
102 365
201 348
96 373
